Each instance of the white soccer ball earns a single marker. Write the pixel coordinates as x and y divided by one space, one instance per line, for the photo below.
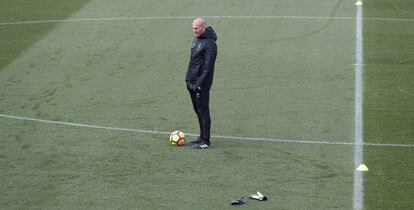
177 138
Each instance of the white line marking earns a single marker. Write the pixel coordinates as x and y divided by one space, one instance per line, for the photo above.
82 125
189 134
191 17
358 188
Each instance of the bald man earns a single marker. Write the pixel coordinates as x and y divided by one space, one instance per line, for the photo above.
199 77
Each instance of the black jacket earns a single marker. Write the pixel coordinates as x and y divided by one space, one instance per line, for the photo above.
203 56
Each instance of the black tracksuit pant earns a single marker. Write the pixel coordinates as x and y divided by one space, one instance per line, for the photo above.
200 100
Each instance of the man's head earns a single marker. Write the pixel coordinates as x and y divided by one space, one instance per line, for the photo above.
199 26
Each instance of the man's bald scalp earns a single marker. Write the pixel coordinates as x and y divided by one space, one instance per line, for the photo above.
200 21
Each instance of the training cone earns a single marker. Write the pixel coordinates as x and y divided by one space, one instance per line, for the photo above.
358 3
362 167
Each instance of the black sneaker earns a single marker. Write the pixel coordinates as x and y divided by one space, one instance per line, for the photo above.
197 141
201 146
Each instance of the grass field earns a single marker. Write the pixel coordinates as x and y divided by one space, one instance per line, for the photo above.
90 89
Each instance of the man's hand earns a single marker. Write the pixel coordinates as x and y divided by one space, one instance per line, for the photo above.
194 87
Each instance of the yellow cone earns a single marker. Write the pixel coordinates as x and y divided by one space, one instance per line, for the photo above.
362 167
358 3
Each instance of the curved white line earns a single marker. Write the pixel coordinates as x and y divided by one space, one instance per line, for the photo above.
191 17
190 134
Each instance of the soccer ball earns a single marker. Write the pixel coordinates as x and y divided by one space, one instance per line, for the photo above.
177 138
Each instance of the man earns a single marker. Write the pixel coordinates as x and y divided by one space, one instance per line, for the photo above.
199 77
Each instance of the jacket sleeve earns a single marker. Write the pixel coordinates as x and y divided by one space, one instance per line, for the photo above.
209 60
188 72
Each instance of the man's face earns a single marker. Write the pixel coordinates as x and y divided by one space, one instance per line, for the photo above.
198 28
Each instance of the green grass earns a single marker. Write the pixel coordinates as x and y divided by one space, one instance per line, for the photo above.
389 105
275 78
52 167
20 37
